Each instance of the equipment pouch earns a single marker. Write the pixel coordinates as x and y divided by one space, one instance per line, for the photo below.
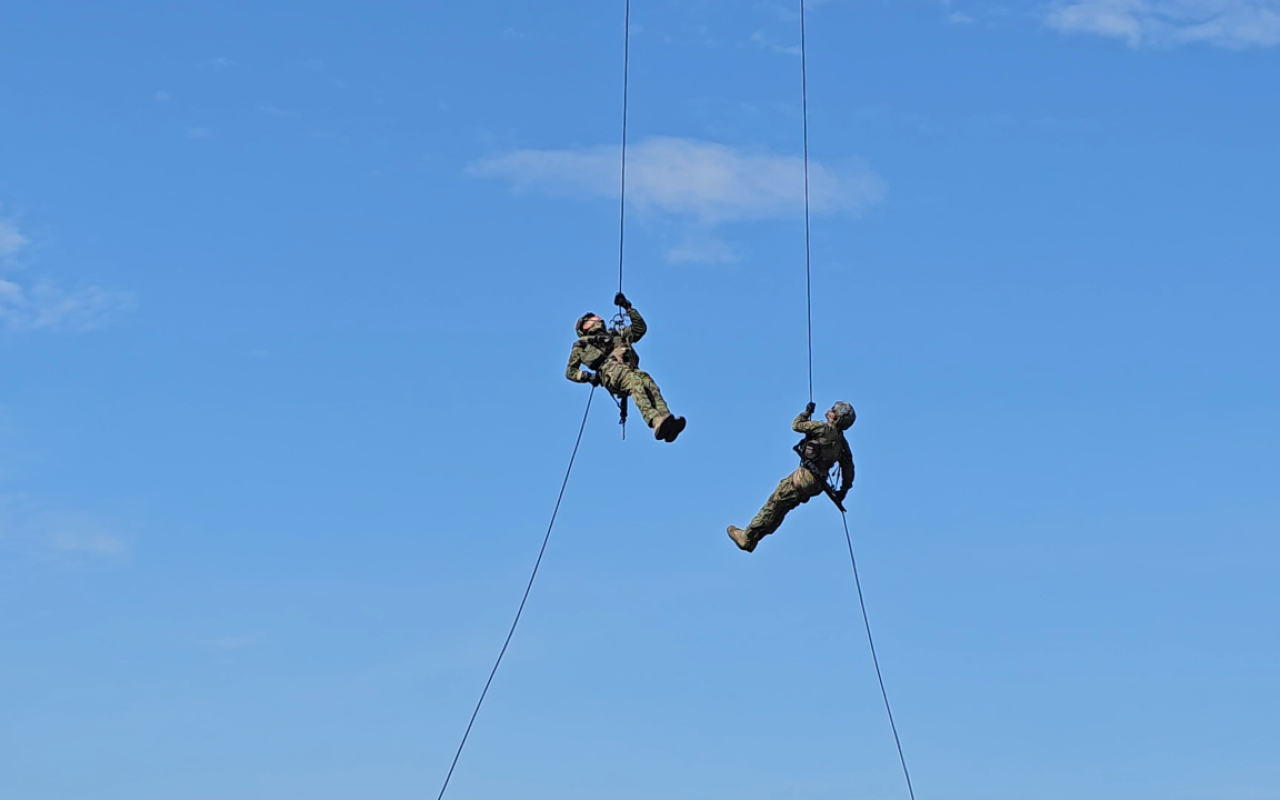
625 355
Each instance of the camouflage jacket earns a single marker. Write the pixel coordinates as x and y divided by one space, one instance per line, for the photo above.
826 445
594 347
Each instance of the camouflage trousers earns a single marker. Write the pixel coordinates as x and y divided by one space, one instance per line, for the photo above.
796 488
626 381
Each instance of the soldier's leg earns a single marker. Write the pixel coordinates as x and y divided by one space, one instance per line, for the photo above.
645 392
615 378
796 488
793 490
775 509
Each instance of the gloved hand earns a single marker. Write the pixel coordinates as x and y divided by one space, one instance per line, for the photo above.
593 378
841 494
621 300
809 409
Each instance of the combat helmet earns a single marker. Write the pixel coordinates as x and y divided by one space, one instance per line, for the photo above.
845 415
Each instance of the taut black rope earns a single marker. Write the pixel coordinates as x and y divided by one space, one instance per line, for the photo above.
622 195
866 622
804 115
808 283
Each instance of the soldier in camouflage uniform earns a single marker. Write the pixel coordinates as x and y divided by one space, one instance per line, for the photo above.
824 446
617 367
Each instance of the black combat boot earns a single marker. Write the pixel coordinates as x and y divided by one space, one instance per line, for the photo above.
674 426
662 427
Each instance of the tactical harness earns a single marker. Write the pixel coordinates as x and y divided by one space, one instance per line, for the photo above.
606 342
807 449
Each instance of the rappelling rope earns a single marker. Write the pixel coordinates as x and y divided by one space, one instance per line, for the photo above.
622 228
808 285
804 116
524 599
622 194
866 621
622 191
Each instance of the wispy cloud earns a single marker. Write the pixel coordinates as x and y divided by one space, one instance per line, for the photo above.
64 534
1235 24
702 181
98 544
11 239
702 250
28 531
273 110
44 304
765 43
47 306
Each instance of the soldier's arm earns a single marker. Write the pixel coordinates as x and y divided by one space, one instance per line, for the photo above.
637 329
846 470
801 423
575 360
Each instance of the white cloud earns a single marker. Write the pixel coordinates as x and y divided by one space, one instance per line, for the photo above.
44 305
48 307
706 182
702 251
92 544
11 239
1235 24
73 534
764 42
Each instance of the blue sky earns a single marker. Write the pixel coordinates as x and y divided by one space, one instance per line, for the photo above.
285 300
